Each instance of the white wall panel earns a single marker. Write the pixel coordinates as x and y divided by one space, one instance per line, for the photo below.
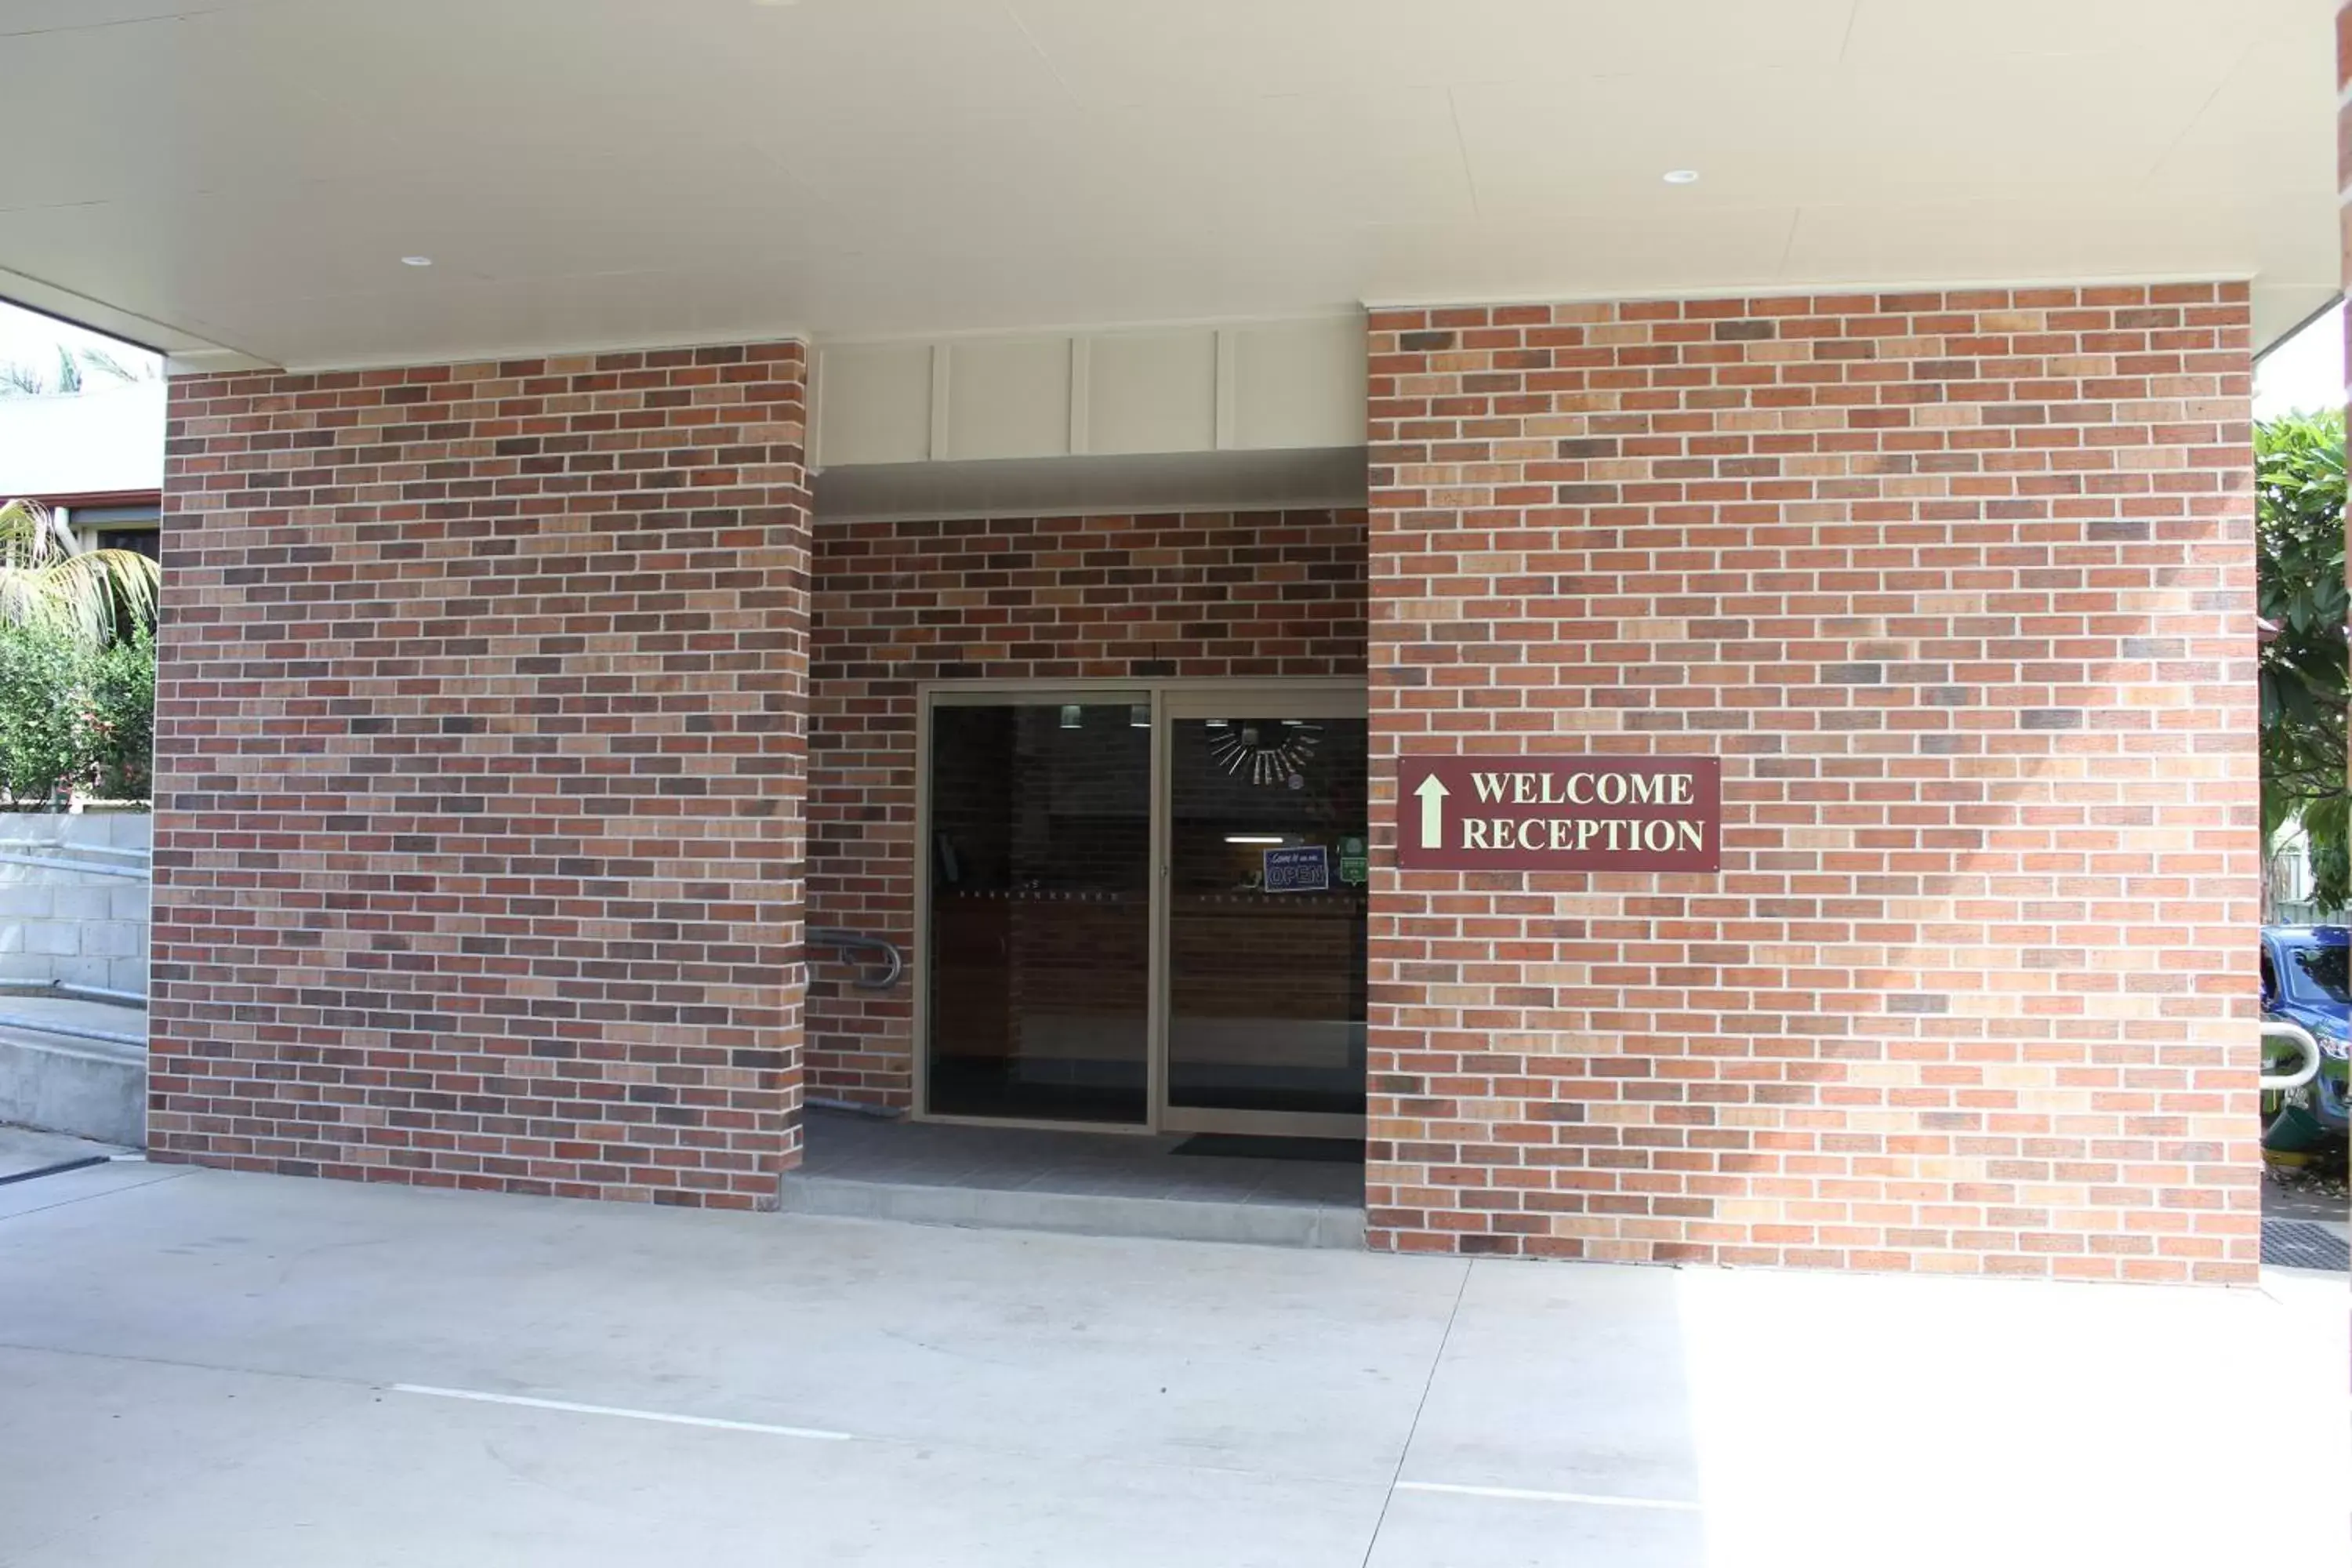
1152 391
1291 385
874 403
1297 383
1007 398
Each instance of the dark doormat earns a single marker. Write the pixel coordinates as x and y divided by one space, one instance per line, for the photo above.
1244 1146
2303 1244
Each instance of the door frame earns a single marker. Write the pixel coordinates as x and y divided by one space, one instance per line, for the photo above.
1170 696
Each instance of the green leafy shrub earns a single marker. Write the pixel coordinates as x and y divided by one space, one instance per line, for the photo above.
122 716
74 719
2300 590
45 731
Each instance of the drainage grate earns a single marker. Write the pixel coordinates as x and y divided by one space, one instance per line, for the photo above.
2302 1244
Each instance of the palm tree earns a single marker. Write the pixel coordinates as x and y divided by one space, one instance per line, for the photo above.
20 380
83 594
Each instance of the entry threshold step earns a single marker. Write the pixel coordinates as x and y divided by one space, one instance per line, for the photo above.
1261 1223
1265 1193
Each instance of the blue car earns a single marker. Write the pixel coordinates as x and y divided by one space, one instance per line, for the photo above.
2307 980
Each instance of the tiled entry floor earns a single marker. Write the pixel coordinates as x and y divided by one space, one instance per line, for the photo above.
1106 1183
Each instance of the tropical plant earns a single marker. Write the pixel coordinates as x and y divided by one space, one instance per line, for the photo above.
89 597
2300 595
20 380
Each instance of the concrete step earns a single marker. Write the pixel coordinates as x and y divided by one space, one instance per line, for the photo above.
91 1088
1086 1214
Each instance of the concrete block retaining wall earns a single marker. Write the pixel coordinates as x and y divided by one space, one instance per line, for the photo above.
73 897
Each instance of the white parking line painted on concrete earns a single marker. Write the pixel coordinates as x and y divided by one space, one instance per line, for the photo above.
1521 1494
816 1433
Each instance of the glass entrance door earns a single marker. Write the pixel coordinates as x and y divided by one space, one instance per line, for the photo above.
1037 996
1267 817
1145 908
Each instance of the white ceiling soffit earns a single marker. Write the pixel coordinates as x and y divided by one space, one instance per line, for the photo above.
184 350
607 172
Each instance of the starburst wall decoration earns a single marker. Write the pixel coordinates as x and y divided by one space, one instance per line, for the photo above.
1265 753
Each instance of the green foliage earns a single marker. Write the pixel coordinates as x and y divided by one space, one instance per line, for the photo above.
89 597
74 719
2300 589
122 716
77 664
45 738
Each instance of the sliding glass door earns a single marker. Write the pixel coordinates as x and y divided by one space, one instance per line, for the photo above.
1037 984
1145 907
1268 820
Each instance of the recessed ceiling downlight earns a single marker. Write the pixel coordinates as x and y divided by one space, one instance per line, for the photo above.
1682 176
416 261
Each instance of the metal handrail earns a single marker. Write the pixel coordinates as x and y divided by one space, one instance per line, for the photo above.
69 1031
2294 1034
129 873
72 992
894 962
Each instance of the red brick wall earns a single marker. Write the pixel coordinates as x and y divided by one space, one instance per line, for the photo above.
480 756
1959 586
1191 595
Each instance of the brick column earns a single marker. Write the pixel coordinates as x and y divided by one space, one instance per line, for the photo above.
1959 587
480 756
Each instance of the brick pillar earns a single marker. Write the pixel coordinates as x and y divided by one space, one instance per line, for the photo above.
480 752
1959 587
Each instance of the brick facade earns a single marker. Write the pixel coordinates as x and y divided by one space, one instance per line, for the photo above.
480 770
480 756
1188 594
1959 586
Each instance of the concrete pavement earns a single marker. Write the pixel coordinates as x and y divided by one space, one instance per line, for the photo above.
205 1369
26 1153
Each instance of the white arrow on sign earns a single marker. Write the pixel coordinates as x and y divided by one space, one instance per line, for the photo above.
1433 811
